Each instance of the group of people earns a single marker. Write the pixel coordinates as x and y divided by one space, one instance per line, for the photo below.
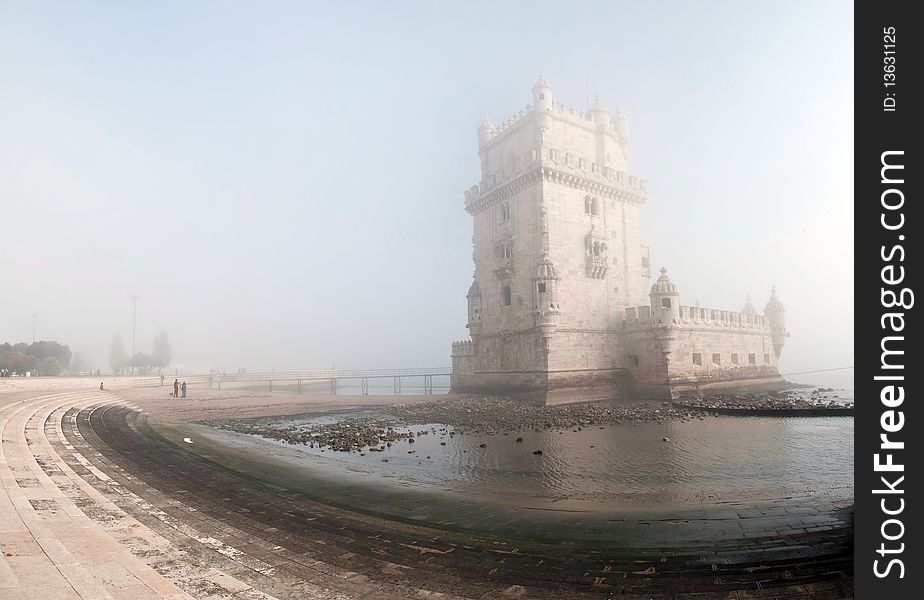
177 388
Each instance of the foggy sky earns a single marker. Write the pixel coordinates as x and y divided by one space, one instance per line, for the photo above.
281 183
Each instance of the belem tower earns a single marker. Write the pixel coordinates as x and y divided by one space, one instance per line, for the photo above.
560 308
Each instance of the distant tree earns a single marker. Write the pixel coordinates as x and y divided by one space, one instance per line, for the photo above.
162 354
118 359
142 362
48 366
45 349
17 362
78 364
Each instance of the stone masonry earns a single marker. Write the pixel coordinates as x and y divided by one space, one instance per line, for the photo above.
559 307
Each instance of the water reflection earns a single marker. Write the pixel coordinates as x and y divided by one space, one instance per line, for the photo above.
716 458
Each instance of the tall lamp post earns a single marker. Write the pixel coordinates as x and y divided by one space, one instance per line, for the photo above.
134 300
34 316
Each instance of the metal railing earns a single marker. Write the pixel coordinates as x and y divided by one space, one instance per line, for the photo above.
300 377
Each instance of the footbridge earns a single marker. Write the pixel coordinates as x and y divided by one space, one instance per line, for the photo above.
336 378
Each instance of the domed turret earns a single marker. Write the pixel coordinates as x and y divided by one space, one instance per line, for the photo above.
665 299
748 307
485 131
776 319
545 277
545 299
474 309
600 115
542 95
621 127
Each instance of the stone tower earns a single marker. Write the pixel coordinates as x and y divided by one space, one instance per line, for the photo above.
557 250
560 307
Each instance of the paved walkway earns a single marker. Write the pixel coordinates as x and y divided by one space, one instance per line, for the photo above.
49 546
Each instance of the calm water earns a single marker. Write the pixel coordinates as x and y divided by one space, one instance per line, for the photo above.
713 459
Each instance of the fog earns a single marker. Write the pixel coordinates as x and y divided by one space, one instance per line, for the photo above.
281 183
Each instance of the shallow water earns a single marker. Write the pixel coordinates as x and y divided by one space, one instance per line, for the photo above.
705 460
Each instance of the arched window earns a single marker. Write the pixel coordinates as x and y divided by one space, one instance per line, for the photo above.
506 298
587 205
594 207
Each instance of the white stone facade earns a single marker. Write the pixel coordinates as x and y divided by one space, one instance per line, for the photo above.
560 297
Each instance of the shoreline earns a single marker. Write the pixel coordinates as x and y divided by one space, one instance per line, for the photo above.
207 514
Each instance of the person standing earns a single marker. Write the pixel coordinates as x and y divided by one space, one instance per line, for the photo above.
176 388
184 389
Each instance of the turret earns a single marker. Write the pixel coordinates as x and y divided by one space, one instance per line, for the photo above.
600 115
748 307
621 127
474 310
545 298
776 319
542 95
485 131
665 300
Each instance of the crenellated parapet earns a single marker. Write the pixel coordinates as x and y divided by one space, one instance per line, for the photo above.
565 169
711 318
463 349
514 121
589 120
696 317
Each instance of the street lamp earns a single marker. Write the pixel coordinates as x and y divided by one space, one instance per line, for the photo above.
135 300
33 326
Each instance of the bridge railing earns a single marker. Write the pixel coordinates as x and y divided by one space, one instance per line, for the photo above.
281 376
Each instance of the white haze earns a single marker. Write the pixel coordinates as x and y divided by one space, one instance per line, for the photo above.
281 183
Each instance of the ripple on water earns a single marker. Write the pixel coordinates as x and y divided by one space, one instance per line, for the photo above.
715 458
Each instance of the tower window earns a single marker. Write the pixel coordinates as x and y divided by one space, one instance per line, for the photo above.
633 360
615 261
542 96
716 359
506 298
645 262
752 359
734 358
665 302
505 212
767 359
541 287
697 359
591 206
